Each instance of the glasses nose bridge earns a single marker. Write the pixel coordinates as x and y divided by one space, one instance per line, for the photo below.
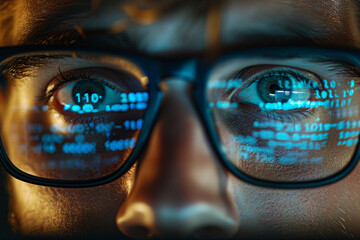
185 69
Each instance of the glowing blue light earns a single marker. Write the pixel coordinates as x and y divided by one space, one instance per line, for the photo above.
248 139
282 136
287 160
222 105
79 148
141 106
87 108
316 160
67 107
75 108
266 134
119 145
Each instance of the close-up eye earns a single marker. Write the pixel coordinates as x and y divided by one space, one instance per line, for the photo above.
95 90
85 96
275 88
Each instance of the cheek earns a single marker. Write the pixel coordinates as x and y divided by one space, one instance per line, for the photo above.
330 210
37 210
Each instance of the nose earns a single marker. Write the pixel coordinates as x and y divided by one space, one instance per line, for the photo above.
180 188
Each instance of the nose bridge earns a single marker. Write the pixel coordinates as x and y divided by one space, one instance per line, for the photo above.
180 146
184 69
180 185
178 151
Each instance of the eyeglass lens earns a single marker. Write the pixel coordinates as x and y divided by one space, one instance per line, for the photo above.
72 116
286 119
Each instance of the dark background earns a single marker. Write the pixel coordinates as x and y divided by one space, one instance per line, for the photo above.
5 232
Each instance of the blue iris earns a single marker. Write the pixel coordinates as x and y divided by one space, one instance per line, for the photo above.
274 88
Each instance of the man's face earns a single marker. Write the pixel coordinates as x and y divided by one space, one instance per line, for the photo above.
178 186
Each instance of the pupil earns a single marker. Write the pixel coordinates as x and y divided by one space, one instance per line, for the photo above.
273 88
88 92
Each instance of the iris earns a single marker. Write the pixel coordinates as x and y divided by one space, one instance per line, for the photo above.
273 89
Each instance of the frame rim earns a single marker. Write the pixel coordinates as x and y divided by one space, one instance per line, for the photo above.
200 105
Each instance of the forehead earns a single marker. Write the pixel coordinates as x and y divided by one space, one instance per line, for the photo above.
175 26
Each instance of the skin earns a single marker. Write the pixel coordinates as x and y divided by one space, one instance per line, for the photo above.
178 186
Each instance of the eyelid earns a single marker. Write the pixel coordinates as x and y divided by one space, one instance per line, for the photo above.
88 73
252 73
346 69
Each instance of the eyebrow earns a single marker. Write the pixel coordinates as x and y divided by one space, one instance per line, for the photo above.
19 68
44 31
98 38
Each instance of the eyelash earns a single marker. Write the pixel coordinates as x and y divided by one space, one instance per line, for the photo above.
298 76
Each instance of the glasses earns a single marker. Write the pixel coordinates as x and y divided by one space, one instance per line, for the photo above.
276 117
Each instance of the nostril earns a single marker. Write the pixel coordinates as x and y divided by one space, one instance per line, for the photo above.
209 232
200 220
138 231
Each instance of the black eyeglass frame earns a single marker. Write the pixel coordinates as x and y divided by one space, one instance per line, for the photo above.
155 69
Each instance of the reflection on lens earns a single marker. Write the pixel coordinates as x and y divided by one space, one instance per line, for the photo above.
72 116
284 122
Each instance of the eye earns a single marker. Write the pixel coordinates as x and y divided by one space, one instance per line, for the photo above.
86 96
96 90
277 89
